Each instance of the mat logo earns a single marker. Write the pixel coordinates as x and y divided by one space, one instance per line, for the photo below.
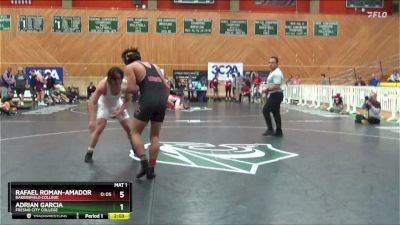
379 15
239 158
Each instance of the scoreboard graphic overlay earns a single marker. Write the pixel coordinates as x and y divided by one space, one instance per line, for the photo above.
66 200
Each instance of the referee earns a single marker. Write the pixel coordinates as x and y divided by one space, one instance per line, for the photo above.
274 94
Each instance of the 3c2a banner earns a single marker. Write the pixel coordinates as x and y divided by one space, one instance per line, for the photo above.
56 72
224 69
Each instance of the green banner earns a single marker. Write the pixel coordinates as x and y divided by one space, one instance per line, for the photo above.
137 25
364 3
103 24
66 24
266 27
5 22
166 25
197 26
296 28
29 23
326 29
233 27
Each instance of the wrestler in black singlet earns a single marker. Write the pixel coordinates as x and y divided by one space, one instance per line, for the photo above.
153 97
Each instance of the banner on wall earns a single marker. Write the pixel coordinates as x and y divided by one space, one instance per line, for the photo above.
224 69
56 72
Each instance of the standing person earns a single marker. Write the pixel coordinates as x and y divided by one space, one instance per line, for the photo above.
39 86
20 84
239 83
32 84
324 80
50 82
152 104
107 99
234 86
90 90
256 78
214 87
274 98
228 88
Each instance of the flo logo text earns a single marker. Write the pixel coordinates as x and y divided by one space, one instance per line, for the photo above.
379 15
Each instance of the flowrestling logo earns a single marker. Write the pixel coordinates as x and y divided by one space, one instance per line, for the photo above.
379 15
239 158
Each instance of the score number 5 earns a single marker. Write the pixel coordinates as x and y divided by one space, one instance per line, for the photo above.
122 195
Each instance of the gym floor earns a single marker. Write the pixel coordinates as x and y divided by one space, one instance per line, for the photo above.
216 167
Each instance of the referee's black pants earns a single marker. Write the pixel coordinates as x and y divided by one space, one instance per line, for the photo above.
273 105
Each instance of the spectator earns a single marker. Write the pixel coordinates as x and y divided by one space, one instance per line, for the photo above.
90 90
214 87
359 82
32 84
373 106
239 82
228 88
290 80
245 91
256 78
374 81
324 80
337 104
394 77
39 85
21 82
234 86
72 95
50 82
7 83
296 80
190 89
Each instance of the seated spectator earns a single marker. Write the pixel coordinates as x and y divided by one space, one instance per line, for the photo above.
60 88
337 104
394 77
359 82
374 81
373 106
296 80
245 91
90 90
7 106
72 95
